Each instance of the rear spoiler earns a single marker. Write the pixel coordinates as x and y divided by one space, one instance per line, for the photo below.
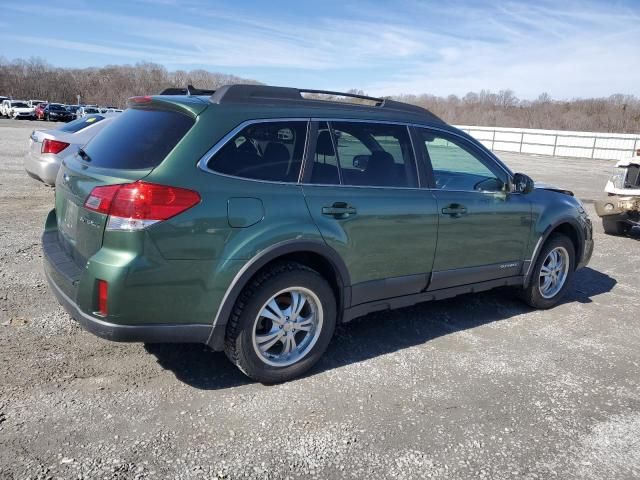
190 90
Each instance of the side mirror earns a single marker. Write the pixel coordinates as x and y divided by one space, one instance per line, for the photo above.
522 183
360 161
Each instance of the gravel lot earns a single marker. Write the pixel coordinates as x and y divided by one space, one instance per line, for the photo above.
478 386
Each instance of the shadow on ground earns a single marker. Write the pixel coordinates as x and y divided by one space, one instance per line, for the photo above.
376 334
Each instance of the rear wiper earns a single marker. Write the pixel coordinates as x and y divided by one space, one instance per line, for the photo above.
85 156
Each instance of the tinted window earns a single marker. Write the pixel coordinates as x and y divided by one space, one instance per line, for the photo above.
325 163
138 139
456 166
264 151
373 154
81 123
57 108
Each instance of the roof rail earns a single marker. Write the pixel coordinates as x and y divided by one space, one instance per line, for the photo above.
190 90
240 93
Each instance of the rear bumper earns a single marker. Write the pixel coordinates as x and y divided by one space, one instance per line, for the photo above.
64 277
42 167
165 333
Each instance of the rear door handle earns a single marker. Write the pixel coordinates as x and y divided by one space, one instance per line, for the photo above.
454 210
339 210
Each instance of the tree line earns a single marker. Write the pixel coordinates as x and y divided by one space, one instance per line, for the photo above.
113 84
614 114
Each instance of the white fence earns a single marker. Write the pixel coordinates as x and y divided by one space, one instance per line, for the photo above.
561 143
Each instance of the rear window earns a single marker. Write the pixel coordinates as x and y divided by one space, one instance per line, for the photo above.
138 139
81 123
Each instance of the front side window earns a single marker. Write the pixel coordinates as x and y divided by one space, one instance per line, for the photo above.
270 151
456 166
364 154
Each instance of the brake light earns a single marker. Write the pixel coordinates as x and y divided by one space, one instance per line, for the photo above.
134 206
53 146
103 289
141 99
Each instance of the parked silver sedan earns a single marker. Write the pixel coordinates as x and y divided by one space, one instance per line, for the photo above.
47 148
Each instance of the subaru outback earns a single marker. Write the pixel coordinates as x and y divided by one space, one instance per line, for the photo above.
254 219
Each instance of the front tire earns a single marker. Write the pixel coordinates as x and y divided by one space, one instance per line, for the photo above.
281 324
552 273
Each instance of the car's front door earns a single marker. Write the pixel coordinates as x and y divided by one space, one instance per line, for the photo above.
483 229
361 187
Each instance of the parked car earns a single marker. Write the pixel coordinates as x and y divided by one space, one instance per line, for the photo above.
240 220
39 111
5 106
47 148
35 103
87 110
620 211
73 109
56 112
19 109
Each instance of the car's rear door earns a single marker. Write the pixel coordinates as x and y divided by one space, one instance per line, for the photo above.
483 230
362 189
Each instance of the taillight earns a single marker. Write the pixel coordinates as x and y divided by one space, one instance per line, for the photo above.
53 146
134 206
103 290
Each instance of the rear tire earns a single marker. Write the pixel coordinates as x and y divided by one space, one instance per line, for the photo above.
281 324
552 273
612 226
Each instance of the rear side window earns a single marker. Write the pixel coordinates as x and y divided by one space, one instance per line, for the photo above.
138 139
81 123
368 154
270 151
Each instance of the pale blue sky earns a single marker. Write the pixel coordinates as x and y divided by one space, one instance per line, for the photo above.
568 49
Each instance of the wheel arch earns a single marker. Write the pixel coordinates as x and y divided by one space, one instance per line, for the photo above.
316 255
566 226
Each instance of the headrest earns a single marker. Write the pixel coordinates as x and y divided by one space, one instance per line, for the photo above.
324 146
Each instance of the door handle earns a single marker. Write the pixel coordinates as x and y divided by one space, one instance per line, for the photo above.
454 210
339 210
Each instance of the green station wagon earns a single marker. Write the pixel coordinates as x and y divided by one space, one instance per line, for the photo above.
254 218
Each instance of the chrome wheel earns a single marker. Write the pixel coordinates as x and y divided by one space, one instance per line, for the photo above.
553 272
287 326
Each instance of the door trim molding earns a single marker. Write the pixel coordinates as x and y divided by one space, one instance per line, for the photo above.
469 275
373 290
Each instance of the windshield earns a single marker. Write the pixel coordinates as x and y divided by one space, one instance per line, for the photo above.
91 110
57 108
19 105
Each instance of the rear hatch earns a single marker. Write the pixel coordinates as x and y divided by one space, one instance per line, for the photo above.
126 150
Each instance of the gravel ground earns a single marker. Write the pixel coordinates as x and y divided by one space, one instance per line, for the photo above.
478 386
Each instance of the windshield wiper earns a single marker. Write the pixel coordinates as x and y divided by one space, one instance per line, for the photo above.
85 156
